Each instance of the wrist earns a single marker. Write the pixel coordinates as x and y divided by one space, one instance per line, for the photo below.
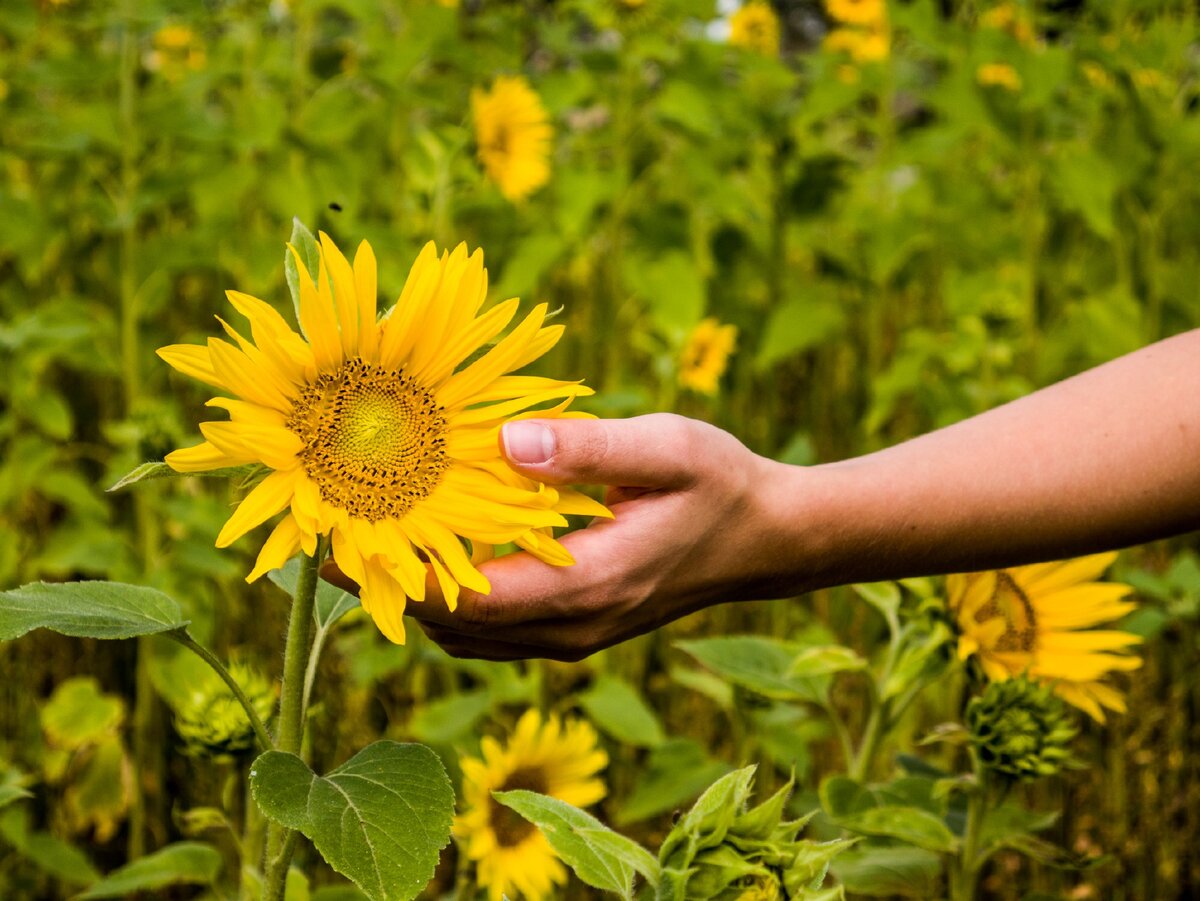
805 539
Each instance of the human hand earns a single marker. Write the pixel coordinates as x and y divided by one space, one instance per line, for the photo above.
698 521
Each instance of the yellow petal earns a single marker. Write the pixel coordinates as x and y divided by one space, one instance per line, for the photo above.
246 377
270 496
459 389
437 538
576 503
192 361
384 599
367 291
400 329
1042 578
545 548
276 447
318 318
345 300
438 320
204 457
464 343
245 411
280 546
287 350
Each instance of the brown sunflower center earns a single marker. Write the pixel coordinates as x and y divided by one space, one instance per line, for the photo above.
1011 603
374 439
509 826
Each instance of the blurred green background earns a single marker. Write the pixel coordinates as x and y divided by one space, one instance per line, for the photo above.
1007 196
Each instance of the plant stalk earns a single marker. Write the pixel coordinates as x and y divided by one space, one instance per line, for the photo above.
281 841
260 729
966 874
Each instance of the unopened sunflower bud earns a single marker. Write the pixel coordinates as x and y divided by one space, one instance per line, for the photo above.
212 723
1020 729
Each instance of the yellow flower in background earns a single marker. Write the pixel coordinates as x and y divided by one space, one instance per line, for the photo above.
377 434
176 50
1150 78
1011 18
864 45
1000 75
706 354
1097 76
858 12
513 135
755 26
1038 620
560 759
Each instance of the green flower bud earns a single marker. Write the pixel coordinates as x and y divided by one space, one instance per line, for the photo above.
1020 729
210 720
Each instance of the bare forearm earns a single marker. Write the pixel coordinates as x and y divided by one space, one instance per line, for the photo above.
1103 460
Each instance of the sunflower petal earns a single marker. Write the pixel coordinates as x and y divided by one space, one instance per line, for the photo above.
270 496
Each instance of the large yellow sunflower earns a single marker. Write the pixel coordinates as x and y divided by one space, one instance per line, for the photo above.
1038 620
552 758
755 26
376 432
513 136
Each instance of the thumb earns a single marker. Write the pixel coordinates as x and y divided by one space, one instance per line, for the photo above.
655 451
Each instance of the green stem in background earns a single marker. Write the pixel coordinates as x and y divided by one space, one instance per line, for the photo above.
260 730
280 841
966 874
881 718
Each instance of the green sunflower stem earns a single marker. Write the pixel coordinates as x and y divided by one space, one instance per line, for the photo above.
280 841
965 876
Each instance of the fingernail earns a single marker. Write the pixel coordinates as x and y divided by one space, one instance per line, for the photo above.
527 442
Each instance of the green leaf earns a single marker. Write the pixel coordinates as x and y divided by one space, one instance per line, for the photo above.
381 818
306 246
619 710
676 771
624 848
758 664
671 287
884 597
79 713
148 472
564 825
909 824
801 323
825 661
10 791
879 872
88 610
708 821
50 854
184 863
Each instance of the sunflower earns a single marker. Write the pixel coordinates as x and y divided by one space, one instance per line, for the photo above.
1000 74
378 433
513 136
858 12
755 26
549 757
1038 620
706 354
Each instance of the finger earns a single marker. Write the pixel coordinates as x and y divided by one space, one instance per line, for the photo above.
654 451
462 646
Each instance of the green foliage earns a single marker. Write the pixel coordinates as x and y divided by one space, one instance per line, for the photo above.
183 863
380 818
600 857
88 610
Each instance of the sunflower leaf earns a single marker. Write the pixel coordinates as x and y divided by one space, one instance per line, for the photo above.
88 610
156 469
608 864
190 863
381 818
306 247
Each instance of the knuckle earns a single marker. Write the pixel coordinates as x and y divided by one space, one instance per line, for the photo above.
473 616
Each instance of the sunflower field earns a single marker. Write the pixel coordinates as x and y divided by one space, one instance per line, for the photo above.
825 226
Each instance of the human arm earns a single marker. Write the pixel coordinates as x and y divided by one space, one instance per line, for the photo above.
1102 460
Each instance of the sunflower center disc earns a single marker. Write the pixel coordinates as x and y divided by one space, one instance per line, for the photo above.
374 439
1010 602
509 826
